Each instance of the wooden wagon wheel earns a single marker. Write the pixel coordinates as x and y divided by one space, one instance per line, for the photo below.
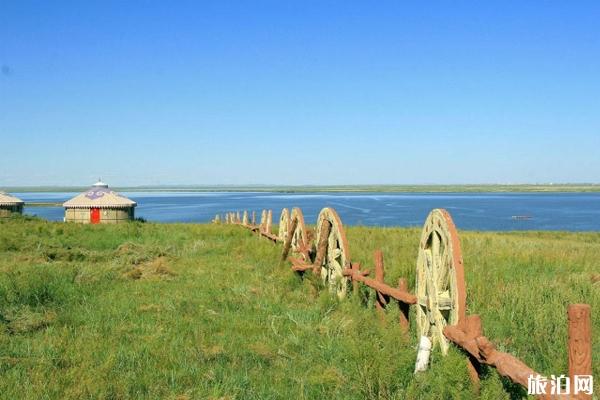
263 220
284 222
440 285
332 251
297 238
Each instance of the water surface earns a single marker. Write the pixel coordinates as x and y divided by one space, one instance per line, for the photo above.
474 211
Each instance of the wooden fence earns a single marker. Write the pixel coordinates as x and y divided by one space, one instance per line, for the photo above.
439 298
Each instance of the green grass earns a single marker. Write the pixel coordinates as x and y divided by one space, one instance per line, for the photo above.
176 311
43 204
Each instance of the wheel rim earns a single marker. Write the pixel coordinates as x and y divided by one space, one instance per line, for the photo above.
337 256
284 225
440 282
263 220
298 236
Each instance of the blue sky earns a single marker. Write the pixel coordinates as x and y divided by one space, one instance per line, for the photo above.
303 92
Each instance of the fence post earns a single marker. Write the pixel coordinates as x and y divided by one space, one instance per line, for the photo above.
580 345
473 329
263 220
355 267
380 300
404 308
269 221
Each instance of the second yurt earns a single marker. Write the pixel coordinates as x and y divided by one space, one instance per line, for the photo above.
9 205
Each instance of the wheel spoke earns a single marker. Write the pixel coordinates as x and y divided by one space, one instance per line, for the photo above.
324 273
444 270
429 274
440 320
337 268
428 260
444 300
336 253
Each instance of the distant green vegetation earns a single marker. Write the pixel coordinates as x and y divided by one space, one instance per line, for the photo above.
527 188
183 311
43 204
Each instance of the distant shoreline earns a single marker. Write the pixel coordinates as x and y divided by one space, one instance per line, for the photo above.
491 188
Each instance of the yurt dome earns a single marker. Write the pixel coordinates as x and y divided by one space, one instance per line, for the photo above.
100 184
99 204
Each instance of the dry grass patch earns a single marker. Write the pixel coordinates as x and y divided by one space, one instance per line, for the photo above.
157 268
25 320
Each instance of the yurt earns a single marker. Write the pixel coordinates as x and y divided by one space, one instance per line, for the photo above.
99 205
10 204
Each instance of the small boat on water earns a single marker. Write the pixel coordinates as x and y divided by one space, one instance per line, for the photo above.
521 217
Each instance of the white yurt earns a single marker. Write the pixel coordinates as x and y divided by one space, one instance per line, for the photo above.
99 205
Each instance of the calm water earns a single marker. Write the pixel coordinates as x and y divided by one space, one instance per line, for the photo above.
479 211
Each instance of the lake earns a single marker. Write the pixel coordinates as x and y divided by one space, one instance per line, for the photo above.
473 211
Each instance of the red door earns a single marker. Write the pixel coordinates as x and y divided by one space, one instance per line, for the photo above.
95 215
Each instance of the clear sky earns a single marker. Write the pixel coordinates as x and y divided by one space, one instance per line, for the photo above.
299 92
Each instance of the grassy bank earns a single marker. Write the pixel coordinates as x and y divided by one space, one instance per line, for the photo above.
43 204
181 311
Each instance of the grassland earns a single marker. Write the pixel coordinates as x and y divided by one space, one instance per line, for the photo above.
179 311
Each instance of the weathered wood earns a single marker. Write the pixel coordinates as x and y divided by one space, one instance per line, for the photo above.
395 293
472 326
284 222
404 307
299 265
473 329
323 243
298 237
485 352
380 300
440 286
287 245
269 223
245 218
456 335
473 369
337 256
263 220
580 345
355 267
269 236
506 364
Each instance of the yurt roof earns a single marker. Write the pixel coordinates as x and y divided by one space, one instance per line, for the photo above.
8 200
99 196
